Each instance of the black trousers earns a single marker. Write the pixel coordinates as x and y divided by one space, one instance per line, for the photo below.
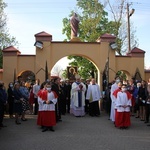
63 105
147 108
94 109
58 110
68 105
1 113
108 107
11 107
36 107
87 106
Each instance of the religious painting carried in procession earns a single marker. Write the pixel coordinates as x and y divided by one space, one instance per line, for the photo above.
71 72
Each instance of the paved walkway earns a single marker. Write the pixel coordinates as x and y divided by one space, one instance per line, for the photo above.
85 133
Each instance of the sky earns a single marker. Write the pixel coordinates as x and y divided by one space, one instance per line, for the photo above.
25 18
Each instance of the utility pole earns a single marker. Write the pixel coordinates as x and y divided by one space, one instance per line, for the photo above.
129 14
128 26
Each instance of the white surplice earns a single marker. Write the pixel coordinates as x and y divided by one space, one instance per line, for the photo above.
113 99
93 92
122 99
47 107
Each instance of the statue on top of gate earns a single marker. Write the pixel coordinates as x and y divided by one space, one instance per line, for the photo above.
74 22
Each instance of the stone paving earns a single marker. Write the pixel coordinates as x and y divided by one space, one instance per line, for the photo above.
73 133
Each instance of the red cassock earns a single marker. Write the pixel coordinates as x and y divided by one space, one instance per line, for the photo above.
123 114
132 97
122 119
133 101
39 121
46 114
116 92
31 97
48 118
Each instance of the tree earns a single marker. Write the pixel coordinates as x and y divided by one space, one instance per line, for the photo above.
5 38
93 23
122 75
85 67
118 14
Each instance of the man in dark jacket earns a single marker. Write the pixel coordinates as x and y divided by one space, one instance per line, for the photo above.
68 90
3 99
56 89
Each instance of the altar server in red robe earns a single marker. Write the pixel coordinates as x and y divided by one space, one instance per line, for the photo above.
47 100
123 104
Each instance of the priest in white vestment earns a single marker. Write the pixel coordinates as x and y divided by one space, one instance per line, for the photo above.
94 95
113 88
78 98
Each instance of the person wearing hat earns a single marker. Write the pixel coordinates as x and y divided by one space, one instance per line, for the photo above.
78 98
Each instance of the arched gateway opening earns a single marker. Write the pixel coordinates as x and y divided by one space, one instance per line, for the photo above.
67 67
26 75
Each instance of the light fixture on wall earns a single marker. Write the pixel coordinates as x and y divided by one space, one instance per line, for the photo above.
113 45
39 44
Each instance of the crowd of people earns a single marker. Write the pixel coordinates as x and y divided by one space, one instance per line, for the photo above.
51 99
54 98
128 99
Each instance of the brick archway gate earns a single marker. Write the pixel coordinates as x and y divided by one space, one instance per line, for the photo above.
52 51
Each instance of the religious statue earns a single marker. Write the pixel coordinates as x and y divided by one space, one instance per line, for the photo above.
74 21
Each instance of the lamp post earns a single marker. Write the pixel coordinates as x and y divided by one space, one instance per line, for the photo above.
129 14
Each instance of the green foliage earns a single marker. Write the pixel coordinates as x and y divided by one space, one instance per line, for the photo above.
5 38
122 75
86 69
64 74
93 23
